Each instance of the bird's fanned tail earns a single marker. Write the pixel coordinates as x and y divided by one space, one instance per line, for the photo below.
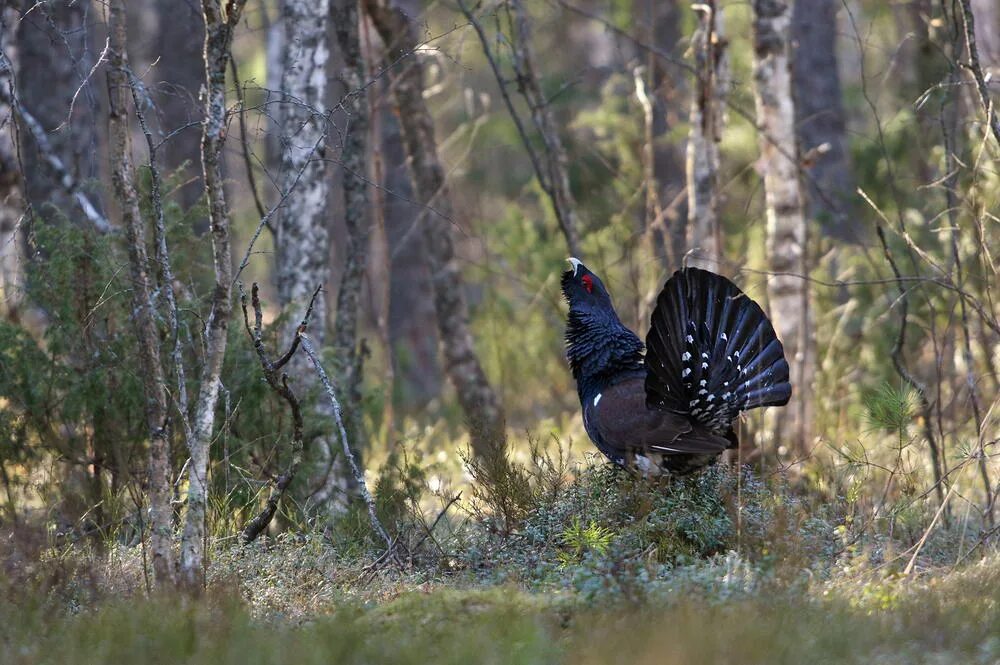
711 352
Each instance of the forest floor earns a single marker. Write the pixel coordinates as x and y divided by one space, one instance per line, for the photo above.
610 571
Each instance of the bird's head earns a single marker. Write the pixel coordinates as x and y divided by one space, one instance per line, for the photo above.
583 290
597 344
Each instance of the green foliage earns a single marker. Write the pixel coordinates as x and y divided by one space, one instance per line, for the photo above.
578 540
892 409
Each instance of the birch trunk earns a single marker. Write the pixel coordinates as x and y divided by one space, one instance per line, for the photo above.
219 28
302 241
704 234
475 394
787 288
144 312
11 201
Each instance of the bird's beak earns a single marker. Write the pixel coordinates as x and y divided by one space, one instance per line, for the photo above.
576 263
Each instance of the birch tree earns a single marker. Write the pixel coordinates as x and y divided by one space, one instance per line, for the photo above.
220 24
144 311
787 287
476 396
704 238
302 242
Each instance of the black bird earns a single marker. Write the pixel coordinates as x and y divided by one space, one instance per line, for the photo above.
710 354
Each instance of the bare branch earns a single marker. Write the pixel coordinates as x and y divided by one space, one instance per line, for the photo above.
359 477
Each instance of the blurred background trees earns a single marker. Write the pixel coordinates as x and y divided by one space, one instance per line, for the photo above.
432 165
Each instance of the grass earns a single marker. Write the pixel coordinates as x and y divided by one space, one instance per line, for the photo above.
716 568
946 618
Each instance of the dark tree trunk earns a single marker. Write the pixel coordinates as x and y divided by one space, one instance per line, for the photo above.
413 330
475 394
820 119
669 225
54 38
176 81
354 179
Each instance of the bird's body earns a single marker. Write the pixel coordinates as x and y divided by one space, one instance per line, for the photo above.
670 405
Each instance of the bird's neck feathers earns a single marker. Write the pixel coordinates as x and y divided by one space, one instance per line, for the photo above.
600 348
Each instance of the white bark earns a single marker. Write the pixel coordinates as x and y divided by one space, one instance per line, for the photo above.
704 239
787 288
302 241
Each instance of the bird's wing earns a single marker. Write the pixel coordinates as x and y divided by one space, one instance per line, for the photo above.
623 422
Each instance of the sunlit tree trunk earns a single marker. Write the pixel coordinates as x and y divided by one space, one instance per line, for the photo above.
704 236
479 402
143 308
787 287
302 240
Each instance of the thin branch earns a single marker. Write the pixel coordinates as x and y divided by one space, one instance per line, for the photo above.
359 477
278 381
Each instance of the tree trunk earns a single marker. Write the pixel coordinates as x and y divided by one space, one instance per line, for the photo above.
669 222
180 63
478 400
787 288
413 333
822 126
219 28
354 162
144 311
987 16
302 239
302 242
11 201
704 234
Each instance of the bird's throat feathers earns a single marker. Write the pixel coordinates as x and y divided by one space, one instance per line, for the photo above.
600 349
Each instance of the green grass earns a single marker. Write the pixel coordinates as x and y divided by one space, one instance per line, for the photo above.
945 618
